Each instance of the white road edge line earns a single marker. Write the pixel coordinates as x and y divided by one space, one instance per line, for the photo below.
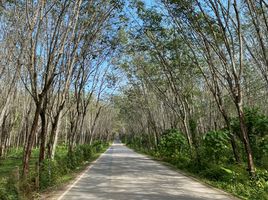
82 175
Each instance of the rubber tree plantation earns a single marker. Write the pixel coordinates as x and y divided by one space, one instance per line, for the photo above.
183 81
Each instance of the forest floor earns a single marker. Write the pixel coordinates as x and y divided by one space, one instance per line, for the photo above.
121 173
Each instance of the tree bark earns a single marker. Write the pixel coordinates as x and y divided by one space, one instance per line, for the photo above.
51 146
30 140
244 132
43 134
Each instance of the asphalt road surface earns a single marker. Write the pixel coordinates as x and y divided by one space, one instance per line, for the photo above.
122 174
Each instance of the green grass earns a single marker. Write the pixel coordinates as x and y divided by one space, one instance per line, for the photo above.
55 173
8 165
62 180
13 160
9 186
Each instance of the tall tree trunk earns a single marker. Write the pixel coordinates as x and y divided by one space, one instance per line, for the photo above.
3 136
55 142
51 146
92 129
30 140
244 132
43 133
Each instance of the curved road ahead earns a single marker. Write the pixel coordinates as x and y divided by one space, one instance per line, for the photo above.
122 174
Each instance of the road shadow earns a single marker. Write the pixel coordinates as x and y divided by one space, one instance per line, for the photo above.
121 174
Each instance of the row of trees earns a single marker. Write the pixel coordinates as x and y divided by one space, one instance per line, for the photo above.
195 65
54 72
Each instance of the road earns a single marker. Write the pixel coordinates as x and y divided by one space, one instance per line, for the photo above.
122 174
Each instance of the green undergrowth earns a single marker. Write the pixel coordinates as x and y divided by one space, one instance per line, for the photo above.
52 173
211 161
234 179
210 156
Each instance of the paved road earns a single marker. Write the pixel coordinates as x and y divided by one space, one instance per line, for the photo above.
121 174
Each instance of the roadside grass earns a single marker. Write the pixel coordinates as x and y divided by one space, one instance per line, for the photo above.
54 173
62 180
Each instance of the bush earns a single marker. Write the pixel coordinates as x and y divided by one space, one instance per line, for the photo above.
87 151
257 126
215 145
8 190
140 143
259 184
71 161
217 173
172 143
50 171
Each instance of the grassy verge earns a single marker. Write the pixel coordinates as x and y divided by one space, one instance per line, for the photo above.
52 173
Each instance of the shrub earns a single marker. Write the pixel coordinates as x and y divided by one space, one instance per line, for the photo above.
87 151
8 189
257 126
259 185
172 143
217 173
215 145
50 171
